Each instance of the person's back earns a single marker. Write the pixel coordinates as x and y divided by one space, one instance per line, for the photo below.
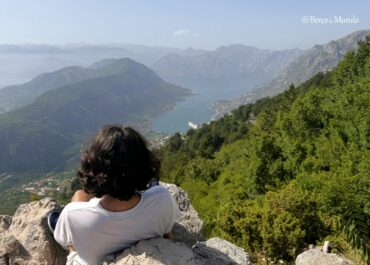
95 232
115 168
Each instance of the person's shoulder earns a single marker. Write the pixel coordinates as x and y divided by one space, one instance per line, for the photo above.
157 191
76 206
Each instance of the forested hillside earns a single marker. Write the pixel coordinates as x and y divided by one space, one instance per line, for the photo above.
47 134
286 171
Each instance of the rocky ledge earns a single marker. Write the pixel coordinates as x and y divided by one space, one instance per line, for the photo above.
25 239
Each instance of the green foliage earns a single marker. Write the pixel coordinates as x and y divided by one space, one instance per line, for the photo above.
35 197
342 247
279 174
356 227
291 221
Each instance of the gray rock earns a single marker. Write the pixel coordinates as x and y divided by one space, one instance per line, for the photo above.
5 221
8 243
189 229
156 251
180 196
161 251
35 244
317 257
217 251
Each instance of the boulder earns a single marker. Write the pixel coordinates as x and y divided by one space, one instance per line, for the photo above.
28 240
161 251
189 229
217 251
317 257
156 251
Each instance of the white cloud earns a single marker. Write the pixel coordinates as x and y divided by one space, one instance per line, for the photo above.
181 32
185 32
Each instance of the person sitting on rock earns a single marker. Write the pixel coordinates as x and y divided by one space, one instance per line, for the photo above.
115 209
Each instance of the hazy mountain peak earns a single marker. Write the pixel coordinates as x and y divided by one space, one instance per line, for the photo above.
74 106
16 96
111 62
235 66
192 52
102 63
122 65
320 58
237 47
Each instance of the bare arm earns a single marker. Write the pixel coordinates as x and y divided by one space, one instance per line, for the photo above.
81 196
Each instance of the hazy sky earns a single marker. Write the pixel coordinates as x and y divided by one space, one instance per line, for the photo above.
182 23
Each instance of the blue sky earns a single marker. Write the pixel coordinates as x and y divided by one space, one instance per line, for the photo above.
197 23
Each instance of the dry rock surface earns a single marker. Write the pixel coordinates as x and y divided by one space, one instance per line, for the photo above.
317 257
26 240
217 252
189 229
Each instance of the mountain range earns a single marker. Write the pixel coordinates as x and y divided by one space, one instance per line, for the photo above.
44 134
12 97
50 116
231 67
320 58
25 61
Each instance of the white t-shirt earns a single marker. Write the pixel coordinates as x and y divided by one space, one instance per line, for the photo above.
96 232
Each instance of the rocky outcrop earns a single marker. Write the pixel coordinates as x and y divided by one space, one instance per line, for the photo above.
160 251
317 257
216 251
190 228
155 251
25 239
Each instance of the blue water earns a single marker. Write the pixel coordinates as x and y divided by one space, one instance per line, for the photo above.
196 109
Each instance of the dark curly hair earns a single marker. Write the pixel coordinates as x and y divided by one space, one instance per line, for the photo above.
117 163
